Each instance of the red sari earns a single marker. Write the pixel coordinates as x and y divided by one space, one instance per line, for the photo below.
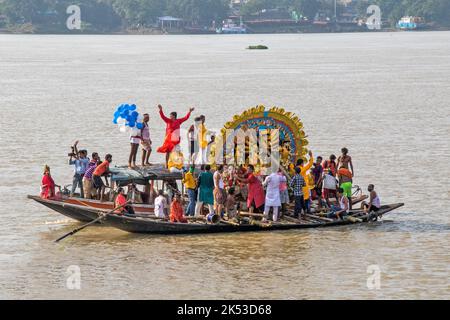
172 132
48 187
255 191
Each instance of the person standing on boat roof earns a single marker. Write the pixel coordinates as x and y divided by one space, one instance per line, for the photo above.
345 161
146 142
102 170
205 183
80 160
135 140
172 137
192 136
297 184
202 157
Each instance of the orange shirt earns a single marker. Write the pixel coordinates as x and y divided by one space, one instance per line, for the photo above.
101 169
120 201
176 212
345 172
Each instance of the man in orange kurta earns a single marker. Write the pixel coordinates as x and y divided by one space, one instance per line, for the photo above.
172 131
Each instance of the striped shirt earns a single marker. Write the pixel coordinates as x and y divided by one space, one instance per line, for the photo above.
297 184
90 170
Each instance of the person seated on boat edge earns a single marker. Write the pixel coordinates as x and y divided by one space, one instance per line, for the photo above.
88 183
346 183
176 210
297 184
231 207
175 164
161 206
80 161
191 185
48 185
121 200
102 170
374 203
343 207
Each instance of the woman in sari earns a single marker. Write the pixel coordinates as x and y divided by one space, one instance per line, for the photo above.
48 185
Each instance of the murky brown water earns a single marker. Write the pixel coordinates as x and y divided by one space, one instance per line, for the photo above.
385 96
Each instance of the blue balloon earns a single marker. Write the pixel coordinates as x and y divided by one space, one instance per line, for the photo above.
120 108
132 124
140 126
135 114
115 121
128 117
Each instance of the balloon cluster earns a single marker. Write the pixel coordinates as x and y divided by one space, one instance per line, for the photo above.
126 117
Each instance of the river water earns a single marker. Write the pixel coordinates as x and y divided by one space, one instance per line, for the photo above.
383 95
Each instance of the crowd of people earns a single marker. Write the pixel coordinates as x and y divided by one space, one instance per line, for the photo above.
226 190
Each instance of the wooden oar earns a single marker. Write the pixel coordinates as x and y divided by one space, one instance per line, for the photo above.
101 216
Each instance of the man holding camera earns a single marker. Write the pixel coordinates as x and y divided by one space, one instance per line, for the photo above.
80 160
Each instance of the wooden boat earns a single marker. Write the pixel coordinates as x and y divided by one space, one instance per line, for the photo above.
157 226
86 210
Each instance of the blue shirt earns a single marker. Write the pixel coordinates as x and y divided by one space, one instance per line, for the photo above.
81 165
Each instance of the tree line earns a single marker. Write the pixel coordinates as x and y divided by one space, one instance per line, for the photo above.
109 15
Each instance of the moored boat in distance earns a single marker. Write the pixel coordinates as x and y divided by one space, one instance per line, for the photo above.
410 23
230 27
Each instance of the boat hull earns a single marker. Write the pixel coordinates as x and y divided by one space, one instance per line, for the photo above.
154 226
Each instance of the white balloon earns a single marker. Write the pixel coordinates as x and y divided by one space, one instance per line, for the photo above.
140 118
123 128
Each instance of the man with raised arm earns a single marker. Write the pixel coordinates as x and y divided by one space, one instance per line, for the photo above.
172 131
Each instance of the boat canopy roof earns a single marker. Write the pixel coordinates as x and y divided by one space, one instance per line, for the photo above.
141 175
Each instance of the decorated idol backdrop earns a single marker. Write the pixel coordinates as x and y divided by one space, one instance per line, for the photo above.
283 132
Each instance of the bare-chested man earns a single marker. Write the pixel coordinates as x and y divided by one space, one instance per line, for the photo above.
345 161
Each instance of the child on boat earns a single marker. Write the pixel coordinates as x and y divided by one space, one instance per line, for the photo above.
176 210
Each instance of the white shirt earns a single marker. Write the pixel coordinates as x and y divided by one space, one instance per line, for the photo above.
329 182
273 190
160 205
